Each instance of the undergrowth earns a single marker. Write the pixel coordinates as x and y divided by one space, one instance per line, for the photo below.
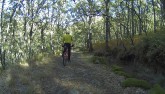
133 82
148 51
130 81
120 71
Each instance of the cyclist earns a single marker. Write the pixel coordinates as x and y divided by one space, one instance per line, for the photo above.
67 40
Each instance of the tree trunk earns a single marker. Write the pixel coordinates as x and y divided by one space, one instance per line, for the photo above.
30 48
153 5
128 19
90 47
89 44
107 24
163 12
1 32
163 8
133 28
140 21
42 35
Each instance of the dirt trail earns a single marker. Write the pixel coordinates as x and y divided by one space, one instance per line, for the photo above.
51 77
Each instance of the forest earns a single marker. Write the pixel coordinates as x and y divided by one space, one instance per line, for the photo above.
131 32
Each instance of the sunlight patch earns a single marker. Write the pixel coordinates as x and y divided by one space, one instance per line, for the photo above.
25 65
8 77
65 83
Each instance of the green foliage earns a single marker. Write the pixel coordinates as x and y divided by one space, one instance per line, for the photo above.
157 89
40 56
132 82
156 51
15 27
58 52
151 49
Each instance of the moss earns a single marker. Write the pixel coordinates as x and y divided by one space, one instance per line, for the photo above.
157 89
133 82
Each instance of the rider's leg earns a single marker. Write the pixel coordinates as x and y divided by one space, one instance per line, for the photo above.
65 47
69 51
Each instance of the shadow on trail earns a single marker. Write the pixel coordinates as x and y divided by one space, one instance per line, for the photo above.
49 76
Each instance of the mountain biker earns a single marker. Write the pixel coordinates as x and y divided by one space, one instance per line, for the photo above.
67 41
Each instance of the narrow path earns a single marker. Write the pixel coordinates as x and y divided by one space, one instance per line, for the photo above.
78 77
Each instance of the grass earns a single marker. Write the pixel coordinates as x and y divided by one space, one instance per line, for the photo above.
130 82
24 80
34 89
27 78
119 70
116 68
12 82
121 73
133 82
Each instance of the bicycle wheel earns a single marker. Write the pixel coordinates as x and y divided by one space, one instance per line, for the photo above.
65 59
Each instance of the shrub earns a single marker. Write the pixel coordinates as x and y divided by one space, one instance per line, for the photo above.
133 82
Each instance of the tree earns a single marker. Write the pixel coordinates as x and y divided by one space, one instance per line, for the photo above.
163 8
29 27
89 42
2 51
153 6
107 22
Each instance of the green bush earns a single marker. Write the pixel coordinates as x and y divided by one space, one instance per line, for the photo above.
151 51
157 89
133 82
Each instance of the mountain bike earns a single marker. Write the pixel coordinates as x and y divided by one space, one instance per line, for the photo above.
65 55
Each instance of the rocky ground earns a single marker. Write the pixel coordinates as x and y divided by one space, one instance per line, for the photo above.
49 76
